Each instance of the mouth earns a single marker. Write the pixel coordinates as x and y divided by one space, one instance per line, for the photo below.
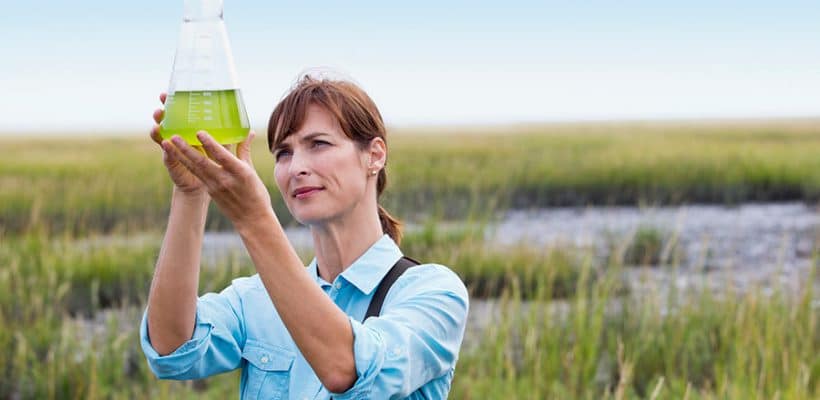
307 191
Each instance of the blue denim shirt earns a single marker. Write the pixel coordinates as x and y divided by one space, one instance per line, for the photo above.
409 351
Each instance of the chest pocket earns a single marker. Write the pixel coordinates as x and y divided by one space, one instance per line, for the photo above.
268 368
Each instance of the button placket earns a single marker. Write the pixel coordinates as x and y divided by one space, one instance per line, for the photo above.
395 352
334 290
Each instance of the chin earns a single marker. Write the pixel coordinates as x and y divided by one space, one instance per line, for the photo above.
307 216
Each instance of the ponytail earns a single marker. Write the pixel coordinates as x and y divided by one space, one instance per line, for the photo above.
390 225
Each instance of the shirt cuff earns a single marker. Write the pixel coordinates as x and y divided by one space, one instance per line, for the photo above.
367 353
183 358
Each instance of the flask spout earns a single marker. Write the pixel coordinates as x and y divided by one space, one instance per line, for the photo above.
198 10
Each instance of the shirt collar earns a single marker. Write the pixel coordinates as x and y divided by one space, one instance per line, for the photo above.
314 273
368 270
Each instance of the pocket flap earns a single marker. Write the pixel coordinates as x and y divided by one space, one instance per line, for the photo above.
268 357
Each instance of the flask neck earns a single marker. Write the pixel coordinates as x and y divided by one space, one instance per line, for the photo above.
201 10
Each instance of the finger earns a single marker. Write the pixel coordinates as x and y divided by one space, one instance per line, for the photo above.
158 115
162 97
205 169
173 154
218 153
243 150
167 155
155 136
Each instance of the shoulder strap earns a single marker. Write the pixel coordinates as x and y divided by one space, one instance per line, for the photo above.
395 272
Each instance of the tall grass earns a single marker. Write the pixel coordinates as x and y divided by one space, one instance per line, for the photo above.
695 345
119 184
62 340
69 312
71 298
488 270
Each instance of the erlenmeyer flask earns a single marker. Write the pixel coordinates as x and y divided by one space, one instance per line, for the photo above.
204 92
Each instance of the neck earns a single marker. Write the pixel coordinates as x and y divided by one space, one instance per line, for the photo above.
338 243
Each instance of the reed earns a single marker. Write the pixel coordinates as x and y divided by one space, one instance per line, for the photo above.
63 340
81 222
118 184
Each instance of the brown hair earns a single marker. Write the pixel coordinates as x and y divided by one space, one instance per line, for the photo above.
354 110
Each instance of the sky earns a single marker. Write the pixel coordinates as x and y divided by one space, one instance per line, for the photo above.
98 66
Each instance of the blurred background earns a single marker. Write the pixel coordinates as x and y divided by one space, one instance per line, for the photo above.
630 191
94 64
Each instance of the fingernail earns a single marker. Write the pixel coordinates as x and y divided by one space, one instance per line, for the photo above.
200 135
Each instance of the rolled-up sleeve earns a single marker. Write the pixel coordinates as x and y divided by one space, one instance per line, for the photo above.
415 340
215 346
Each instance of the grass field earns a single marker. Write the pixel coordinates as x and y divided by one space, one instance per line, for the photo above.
81 222
69 312
107 184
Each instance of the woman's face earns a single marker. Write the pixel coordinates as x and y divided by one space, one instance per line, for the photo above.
320 172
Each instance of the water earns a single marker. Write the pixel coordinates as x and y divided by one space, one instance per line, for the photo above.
221 113
768 244
748 236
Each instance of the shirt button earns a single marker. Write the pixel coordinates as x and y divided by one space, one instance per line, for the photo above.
338 285
264 359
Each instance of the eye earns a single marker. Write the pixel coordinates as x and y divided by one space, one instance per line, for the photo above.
281 153
318 143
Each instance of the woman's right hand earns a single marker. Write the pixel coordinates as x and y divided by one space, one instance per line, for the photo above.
184 180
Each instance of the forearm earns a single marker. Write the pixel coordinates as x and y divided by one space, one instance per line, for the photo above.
173 295
318 327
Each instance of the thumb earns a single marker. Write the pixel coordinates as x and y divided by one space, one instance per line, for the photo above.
243 150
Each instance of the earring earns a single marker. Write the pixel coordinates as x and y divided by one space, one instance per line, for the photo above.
374 172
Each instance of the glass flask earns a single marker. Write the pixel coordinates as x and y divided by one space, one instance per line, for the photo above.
204 92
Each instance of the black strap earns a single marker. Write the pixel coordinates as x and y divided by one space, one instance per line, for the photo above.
395 272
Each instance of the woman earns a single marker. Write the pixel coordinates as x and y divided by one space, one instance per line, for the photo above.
298 332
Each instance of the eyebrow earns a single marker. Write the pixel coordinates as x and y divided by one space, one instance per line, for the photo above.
306 138
313 135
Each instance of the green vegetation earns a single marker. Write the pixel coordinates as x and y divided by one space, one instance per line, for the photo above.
669 346
119 184
71 333
81 223
488 271
647 246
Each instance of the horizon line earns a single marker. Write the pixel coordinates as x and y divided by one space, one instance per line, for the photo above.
123 131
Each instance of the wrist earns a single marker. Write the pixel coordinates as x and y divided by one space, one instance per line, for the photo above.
195 197
257 224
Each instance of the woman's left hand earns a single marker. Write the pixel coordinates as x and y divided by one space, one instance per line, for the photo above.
230 179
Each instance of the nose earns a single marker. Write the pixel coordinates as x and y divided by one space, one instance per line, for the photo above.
299 165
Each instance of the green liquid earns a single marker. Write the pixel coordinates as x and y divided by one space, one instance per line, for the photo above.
219 112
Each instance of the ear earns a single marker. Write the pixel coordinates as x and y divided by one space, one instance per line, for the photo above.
377 154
